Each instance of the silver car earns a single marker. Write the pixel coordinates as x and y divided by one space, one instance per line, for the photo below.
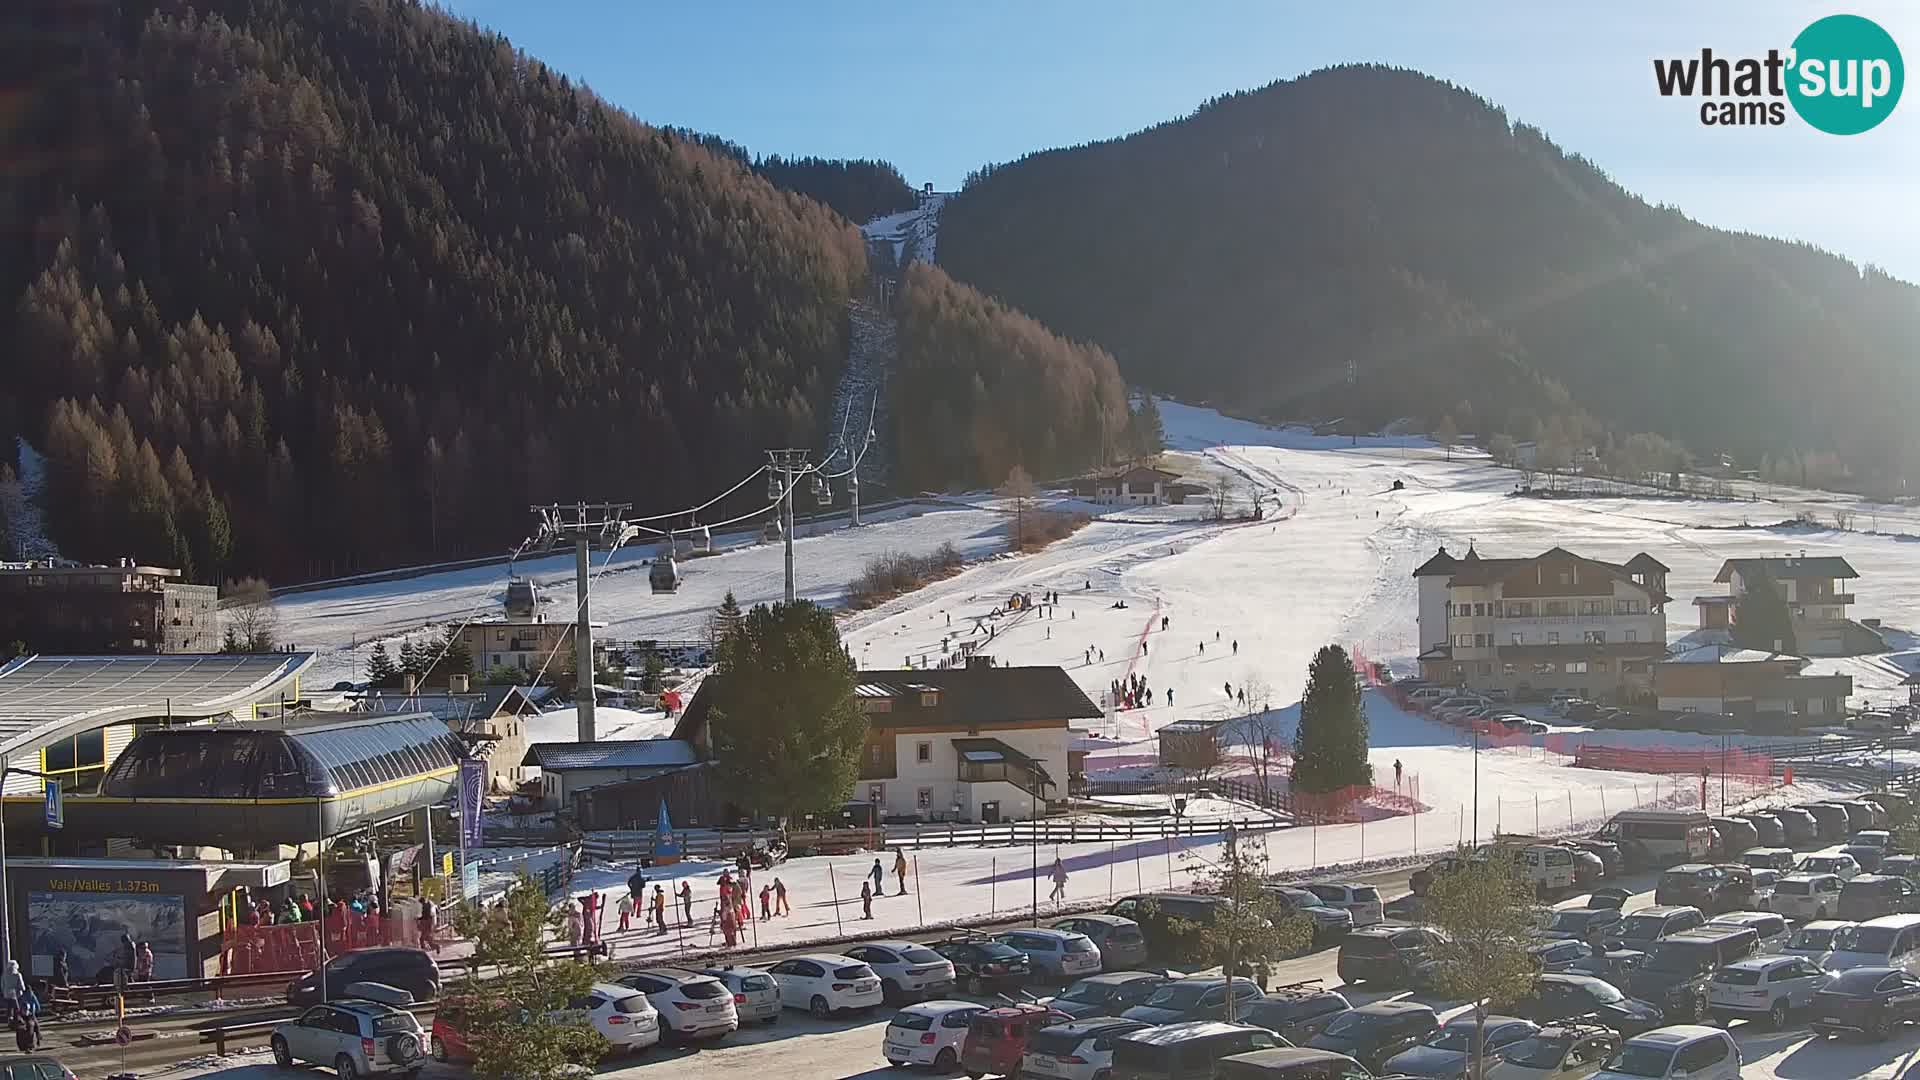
756 996
1055 954
908 972
356 1037
1123 947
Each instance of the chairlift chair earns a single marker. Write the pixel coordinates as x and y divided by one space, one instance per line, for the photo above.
771 534
665 575
822 491
774 487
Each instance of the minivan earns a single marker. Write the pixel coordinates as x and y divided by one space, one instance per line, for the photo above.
1185 1051
1767 827
1660 837
1769 858
1676 973
1870 896
1736 834
1889 941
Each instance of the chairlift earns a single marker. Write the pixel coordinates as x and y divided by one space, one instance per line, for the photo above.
774 487
771 534
665 575
703 538
822 491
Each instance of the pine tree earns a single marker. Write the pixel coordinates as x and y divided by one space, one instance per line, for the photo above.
1147 433
724 622
1762 621
381 672
410 659
1330 745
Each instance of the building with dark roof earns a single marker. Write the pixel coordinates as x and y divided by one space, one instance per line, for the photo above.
567 768
1811 587
1554 621
1725 679
974 743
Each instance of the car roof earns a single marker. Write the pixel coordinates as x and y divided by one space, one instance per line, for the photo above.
1115 978
1466 1020
1808 875
1191 1029
895 945
1285 1056
1828 924
940 1008
1043 931
1894 922
1741 918
674 974
1759 963
1566 1029
1094 1025
1873 879
1379 930
1689 868
615 990
1570 977
1661 909
1709 932
1101 917
828 958
1392 1008
1677 1035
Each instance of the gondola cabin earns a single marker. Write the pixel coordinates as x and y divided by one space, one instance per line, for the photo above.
665 575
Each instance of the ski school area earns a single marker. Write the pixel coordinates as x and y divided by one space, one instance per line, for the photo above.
1207 624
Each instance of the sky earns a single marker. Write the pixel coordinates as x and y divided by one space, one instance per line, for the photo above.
941 89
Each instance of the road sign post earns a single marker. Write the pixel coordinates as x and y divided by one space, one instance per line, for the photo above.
56 807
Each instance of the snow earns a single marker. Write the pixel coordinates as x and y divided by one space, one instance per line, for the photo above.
609 722
913 234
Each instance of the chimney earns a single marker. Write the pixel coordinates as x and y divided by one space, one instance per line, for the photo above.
457 684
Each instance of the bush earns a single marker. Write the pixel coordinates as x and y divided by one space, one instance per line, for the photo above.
1037 528
889 575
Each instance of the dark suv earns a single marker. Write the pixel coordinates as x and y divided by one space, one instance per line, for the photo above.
981 964
1676 973
1157 913
1393 955
411 970
1642 928
1373 1033
1869 896
1296 1014
1698 885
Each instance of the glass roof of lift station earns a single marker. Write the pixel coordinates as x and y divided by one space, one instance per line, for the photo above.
295 758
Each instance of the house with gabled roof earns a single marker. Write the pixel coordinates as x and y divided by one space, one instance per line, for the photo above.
1556 621
1812 587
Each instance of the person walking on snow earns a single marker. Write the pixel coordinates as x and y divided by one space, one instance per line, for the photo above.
866 898
686 903
780 897
1203 648
659 911
1059 876
1396 774
1169 697
1216 635
625 907
879 877
1236 646
900 869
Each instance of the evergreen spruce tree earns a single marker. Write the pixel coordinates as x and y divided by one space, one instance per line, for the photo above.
724 623
1330 745
380 670
409 658
1148 434
1762 620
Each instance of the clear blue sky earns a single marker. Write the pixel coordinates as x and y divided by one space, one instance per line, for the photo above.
942 88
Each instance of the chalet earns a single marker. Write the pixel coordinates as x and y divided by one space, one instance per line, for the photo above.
1135 485
978 743
567 768
1811 587
1748 682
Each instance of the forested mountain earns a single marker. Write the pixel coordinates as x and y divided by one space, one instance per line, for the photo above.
1374 243
297 286
861 189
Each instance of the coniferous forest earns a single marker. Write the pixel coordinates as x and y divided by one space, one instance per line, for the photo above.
1373 243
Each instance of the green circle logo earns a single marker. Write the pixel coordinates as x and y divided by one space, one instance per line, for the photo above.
1847 74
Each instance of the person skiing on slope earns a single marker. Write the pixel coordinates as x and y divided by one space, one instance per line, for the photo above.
1236 646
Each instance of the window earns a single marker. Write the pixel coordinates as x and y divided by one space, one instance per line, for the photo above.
1629 607
1479 611
876 793
1517 639
1557 607
873 753
1576 667
1700 1055
1543 667
923 799
1633 635
1565 577
1593 607
1599 665
923 752
1463 641
1507 670
1553 637
1520 609
1481 641
1594 637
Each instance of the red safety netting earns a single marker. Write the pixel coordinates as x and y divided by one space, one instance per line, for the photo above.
247 950
1690 760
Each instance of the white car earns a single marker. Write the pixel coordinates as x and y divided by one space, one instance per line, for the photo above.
691 1005
622 1015
1815 939
1807 896
1570 1051
908 972
1771 927
1772 987
1837 863
1692 1051
1360 901
1079 1050
929 1033
826 983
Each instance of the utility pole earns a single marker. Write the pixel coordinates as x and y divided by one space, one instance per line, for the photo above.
1476 785
584 524
1236 886
784 469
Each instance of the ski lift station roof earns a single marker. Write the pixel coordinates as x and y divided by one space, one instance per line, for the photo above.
47 698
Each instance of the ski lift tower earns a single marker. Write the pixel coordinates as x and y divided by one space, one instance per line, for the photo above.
584 524
784 469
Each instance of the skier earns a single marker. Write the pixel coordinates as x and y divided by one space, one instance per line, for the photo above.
1229 688
1243 697
866 898
1396 774
1059 880
686 903
1143 648
637 886
625 907
900 869
659 911
1236 646
1169 697
1203 648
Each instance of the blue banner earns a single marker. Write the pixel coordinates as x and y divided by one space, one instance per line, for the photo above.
473 785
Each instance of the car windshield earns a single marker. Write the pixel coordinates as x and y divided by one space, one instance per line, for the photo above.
911 1021
1603 992
996 950
1811 939
1640 1059
1328 892
1453 1038
757 982
853 971
1866 939
1857 981
394 1023
1821 866
1571 921
1349 1023
1737 977
1642 927
1079 945
1536 1052
1089 993
919 955
1681 957
1178 995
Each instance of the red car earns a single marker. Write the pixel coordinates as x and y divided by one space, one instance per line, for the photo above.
449 1042
997 1038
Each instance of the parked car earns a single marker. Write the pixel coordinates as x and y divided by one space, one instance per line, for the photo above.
38 1066
1678 967
1736 834
1769 927
1447 1053
1582 924
1870 896
1857 816
908 972
1607 850
1767 986
1055 954
1559 1052
1769 858
1329 923
1197 998
982 965
356 1036
929 1033
1296 1013
1610 896
996 1038
1184 1051
1563 700
827 983
406 969
1642 928
1373 1033
1699 885
1122 945
1289 1063
1815 939
1833 862
756 996
1832 822
1867 855
1588 867
1614 966
1076 1050
1157 912
1360 901
1763 883
1888 941
1385 954
1802 828
1871 1001
1767 828
1560 955
1874 838
691 1005
1556 998
1906 866
1807 896
1107 994
1688 1051
1877 816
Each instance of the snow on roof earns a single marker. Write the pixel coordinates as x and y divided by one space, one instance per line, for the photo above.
46 697
1728 654
615 754
563 725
